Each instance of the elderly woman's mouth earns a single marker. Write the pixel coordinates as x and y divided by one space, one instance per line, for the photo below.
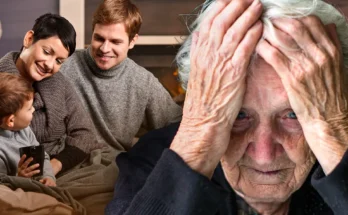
266 177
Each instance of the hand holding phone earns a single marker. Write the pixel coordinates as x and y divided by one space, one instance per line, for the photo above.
24 170
31 162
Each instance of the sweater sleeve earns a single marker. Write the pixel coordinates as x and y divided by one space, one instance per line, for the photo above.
154 183
3 168
333 188
80 139
161 110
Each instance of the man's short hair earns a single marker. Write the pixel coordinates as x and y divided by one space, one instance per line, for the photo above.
14 91
50 25
119 11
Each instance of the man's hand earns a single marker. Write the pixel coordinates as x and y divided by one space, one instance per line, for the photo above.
220 54
27 171
48 182
56 166
308 60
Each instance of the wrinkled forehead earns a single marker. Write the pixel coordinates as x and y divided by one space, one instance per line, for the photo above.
264 87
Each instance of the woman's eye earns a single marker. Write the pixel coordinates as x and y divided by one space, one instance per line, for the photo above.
46 52
292 115
59 62
241 115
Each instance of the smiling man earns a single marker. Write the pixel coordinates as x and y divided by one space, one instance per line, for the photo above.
120 95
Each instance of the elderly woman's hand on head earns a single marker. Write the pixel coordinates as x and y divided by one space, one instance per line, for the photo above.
312 74
220 54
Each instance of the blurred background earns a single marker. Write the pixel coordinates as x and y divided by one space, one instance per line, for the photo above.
163 30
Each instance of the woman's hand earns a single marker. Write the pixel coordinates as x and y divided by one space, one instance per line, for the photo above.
48 182
56 166
220 54
24 170
312 75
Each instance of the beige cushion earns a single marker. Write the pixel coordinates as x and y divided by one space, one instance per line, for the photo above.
14 202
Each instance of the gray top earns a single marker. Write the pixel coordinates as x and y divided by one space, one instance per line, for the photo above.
60 122
121 100
10 142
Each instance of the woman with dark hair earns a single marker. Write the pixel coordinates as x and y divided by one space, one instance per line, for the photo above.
59 121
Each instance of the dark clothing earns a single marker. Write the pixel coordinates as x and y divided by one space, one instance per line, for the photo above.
155 180
60 122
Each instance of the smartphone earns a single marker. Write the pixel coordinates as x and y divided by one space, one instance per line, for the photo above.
37 153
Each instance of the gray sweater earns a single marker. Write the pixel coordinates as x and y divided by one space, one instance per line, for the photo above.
59 122
121 100
10 142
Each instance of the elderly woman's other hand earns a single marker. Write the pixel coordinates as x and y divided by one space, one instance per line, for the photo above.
220 54
311 72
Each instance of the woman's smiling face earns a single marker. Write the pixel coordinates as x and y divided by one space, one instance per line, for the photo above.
43 58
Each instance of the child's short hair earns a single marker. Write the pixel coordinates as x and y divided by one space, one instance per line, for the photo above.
14 91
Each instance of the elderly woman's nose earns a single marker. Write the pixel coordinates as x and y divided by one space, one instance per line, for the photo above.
262 148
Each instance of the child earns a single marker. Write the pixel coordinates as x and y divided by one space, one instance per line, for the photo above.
16 113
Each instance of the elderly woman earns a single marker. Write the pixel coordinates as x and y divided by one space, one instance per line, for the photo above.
264 129
59 121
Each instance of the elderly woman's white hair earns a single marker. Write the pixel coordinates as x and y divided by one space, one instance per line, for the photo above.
274 9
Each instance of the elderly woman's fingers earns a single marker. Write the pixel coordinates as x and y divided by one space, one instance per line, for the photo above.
280 39
297 30
321 36
240 27
273 57
247 46
228 17
194 40
212 12
330 56
332 33
306 40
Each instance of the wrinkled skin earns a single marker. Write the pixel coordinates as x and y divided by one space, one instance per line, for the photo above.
220 55
313 78
267 158
309 89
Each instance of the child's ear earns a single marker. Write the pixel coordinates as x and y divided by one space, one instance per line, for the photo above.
9 121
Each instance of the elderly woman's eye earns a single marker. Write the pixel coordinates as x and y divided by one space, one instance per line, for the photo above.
292 115
241 115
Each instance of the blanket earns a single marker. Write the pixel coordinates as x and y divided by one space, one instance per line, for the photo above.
29 185
87 188
92 182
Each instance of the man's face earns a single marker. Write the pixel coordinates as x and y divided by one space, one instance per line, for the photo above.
110 45
267 158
